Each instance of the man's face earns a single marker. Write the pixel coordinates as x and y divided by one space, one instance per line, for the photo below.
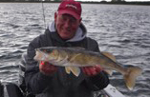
66 25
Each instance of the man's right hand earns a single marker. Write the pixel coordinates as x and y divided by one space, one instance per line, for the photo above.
47 69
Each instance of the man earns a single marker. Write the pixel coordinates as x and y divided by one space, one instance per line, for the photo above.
46 80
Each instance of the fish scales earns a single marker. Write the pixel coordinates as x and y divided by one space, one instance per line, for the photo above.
89 58
81 57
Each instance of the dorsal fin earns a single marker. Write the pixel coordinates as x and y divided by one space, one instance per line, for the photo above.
112 57
109 55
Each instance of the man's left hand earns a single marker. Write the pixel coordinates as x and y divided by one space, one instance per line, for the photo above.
92 70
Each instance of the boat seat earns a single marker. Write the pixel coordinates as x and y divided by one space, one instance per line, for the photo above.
22 69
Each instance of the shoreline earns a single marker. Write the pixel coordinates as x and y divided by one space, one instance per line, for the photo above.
102 2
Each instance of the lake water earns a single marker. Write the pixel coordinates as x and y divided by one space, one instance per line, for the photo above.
123 30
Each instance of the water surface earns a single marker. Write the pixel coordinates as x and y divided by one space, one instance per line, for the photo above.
123 30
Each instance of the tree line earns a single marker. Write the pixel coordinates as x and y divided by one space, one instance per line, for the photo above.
26 0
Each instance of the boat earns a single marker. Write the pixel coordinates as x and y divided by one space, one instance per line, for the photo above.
10 89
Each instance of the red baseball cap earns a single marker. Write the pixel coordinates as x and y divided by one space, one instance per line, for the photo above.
70 7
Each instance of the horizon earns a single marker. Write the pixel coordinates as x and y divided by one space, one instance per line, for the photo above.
111 0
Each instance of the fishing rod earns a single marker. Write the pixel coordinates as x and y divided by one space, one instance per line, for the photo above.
43 14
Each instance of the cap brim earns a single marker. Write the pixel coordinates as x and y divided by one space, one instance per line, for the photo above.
70 13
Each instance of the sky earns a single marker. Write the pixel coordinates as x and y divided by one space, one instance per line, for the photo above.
110 0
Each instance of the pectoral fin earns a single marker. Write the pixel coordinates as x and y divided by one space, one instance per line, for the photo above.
75 70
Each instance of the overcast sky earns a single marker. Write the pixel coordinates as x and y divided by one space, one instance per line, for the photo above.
110 0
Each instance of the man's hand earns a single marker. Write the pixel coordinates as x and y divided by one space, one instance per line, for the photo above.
46 68
92 70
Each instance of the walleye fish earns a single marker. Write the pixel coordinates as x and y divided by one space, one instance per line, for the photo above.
73 58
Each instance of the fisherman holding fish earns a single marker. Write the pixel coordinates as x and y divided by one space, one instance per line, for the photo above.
43 78
64 62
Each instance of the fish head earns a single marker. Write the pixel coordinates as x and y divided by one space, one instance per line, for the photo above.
43 54
39 55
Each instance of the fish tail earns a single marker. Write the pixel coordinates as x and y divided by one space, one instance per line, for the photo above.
130 77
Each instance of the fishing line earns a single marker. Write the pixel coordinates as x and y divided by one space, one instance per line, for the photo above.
43 14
